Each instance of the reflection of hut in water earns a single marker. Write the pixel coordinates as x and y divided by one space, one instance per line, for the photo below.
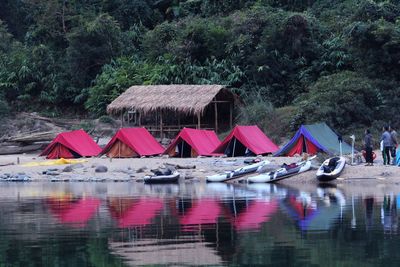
166 252
166 109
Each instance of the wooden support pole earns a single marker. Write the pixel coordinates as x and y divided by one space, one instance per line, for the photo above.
161 125
230 115
234 147
216 116
198 121
179 120
140 118
122 119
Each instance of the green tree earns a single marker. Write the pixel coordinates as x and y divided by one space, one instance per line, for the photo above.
344 100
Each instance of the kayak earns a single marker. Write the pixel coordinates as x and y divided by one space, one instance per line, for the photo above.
331 169
162 179
284 172
238 172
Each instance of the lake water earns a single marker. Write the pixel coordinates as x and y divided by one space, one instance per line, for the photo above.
131 224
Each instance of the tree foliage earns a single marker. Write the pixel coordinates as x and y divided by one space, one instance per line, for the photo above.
82 54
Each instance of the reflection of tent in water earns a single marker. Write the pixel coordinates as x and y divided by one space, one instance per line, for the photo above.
312 139
74 212
257 213
132 142
202 212
193 143
314 216
246 140
131 213
74 144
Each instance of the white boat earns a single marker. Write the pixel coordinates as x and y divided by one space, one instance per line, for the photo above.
282 173
237 173
331 169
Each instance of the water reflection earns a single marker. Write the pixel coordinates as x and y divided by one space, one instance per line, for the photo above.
191 224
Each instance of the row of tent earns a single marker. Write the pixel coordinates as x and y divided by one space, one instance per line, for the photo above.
242 141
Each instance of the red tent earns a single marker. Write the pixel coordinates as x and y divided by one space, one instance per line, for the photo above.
244 140
131 142
77 213
193 143
72 144
139 213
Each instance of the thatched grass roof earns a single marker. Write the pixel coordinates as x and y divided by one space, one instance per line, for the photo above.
190 99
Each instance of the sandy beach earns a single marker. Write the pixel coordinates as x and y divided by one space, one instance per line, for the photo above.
133 169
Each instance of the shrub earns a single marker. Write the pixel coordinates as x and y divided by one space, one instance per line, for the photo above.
106 119
345 100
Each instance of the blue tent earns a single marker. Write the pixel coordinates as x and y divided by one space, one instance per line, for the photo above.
312 139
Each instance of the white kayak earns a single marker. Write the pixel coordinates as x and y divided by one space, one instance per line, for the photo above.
281 173
331 169
237 173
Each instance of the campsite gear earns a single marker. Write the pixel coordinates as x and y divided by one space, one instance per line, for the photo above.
331 169
364 153
162 178
246 141
74 144
312 139
132 142
193 143
237 173
60 161
284 172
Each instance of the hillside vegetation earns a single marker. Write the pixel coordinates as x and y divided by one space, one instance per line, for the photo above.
292 61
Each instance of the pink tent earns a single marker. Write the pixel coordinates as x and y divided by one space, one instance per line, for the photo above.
130 142
193 143
244 139
72 144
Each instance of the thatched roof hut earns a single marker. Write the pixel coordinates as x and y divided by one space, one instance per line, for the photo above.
186 100
183 98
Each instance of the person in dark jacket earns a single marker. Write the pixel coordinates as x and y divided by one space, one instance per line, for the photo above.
393 134
368 148
387 145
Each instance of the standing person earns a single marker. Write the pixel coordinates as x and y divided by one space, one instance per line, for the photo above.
368 148
387 145
393 134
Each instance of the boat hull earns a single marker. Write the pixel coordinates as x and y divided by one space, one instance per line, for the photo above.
324 176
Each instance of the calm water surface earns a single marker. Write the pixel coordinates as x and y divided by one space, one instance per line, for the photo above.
130 224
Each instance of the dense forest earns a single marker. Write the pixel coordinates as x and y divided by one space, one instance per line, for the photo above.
291 61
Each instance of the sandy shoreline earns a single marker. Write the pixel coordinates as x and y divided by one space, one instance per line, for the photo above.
129 169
